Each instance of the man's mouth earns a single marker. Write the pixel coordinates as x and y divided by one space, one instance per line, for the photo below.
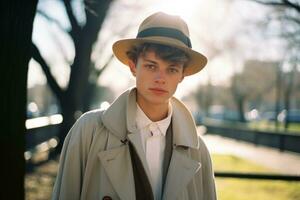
158 90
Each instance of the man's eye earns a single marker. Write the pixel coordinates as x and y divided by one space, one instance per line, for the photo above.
173 70
152 67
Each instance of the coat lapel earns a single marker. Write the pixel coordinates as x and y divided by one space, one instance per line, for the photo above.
119 119
135 139
181 170
118 167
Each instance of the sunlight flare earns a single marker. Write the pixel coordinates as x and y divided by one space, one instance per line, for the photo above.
184 9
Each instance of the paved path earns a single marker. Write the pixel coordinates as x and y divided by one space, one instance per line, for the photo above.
284 162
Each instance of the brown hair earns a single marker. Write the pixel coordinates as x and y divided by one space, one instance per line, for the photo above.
164 52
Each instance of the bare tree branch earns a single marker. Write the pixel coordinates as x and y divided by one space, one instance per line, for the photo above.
51 81
292 5
284 3
99 71
289 18
51 19
76 29
60 47
89 7
56 39
271 3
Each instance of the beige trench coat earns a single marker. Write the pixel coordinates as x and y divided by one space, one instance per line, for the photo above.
95 163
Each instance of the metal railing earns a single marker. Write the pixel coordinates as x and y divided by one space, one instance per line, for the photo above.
258 176
42 133
279 140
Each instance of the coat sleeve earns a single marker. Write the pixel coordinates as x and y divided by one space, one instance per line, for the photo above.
73 158
208 188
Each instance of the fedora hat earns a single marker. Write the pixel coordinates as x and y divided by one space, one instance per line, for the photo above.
165 29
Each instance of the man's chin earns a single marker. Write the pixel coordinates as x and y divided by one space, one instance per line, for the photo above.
159 100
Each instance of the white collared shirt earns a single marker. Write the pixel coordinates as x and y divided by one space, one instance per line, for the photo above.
154 143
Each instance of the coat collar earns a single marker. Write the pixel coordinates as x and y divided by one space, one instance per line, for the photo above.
120 117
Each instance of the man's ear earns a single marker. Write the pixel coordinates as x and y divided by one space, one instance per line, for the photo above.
132 67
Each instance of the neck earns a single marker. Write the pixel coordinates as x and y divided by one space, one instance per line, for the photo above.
155 112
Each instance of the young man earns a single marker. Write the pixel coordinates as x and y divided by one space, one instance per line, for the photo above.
145 145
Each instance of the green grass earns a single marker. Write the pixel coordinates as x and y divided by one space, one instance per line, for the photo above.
243 189
270 126
236 164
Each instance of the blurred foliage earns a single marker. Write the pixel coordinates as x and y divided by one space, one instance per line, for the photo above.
255 85
39 183
284 17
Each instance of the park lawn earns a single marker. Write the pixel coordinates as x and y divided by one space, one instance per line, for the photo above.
243 189
270 126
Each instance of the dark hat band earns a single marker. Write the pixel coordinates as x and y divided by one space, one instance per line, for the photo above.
165 32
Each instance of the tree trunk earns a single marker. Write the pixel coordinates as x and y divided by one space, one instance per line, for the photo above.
239 99
69 117
16 28
287 96
278 95
208 99
240 105
72 99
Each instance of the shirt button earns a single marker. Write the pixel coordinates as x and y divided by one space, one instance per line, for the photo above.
106 198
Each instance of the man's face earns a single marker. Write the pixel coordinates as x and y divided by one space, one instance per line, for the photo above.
156 79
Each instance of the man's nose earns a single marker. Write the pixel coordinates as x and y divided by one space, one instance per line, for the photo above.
160 77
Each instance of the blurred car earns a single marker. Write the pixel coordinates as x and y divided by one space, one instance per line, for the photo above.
253 115
216 112
219 112
292 116
231 115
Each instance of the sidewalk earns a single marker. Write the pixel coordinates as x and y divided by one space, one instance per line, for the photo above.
284 162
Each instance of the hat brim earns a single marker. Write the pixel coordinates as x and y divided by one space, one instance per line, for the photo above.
196 63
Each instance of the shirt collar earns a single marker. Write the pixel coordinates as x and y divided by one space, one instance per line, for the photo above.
142 121
120 119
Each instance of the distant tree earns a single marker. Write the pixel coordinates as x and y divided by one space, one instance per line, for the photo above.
221 96
203 97
278 86
296 95
239 94
15 51
259 79
75 97
287 13
289 87
256 79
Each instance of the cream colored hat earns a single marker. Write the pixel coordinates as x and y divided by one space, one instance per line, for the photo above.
161 28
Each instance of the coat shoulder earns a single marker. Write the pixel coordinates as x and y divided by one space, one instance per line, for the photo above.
86 126
91 118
